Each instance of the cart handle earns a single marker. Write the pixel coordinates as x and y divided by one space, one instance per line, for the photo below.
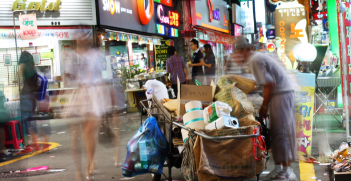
217 137
200 133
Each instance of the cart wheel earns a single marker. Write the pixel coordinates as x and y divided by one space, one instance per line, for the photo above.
156 177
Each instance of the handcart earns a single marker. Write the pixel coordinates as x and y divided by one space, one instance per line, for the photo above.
165 122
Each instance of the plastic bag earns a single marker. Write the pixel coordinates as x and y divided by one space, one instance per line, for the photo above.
157 88
146 151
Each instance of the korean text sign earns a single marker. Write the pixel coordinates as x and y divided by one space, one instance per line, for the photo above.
304 119
290 28
28 26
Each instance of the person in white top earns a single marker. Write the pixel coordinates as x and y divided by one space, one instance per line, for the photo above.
90 101
279 96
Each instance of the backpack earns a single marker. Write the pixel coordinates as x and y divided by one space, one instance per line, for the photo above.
42 84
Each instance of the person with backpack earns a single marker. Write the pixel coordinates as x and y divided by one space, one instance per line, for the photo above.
28 98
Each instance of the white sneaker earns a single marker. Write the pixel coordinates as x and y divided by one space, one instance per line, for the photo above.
286 176
273 174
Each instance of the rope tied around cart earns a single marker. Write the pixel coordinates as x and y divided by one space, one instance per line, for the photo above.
261 144
188 164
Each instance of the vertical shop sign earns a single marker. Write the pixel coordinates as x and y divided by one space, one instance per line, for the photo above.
346 18
304 118
28 26
248 16
290 24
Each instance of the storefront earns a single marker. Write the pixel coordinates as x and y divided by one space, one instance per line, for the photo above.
210 19
129 35
57 25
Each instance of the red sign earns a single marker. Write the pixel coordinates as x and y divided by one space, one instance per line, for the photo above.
165 2
146 11
220 38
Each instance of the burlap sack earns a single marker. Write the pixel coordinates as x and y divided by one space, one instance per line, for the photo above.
226 158
243 83
236 99
248 120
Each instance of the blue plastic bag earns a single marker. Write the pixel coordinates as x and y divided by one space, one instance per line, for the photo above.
146 151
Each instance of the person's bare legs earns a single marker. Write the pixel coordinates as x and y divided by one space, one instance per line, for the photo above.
76 150
115 122
34 136
89 132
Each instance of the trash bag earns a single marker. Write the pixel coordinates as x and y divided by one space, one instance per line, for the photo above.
146 151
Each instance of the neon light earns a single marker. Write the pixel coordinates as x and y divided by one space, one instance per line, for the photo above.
160 29
217 14
172 18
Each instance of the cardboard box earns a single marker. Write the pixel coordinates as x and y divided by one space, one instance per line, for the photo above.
187 93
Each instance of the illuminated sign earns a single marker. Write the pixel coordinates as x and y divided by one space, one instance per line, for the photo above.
146 10
172 19
165 2
167 31
115 7
217 15
271 47
39 6
167 20
214 14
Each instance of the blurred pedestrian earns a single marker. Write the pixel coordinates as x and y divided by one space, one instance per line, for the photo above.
176 67
28 100
89 102
279 98
197 62
210 64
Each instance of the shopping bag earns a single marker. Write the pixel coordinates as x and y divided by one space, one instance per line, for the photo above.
42 83
146 151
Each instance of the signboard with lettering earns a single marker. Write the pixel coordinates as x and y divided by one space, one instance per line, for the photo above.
211 14
39 6
128 15
304 119
61 34
51 12
162 54
248 17
28 25
290 26
167 21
